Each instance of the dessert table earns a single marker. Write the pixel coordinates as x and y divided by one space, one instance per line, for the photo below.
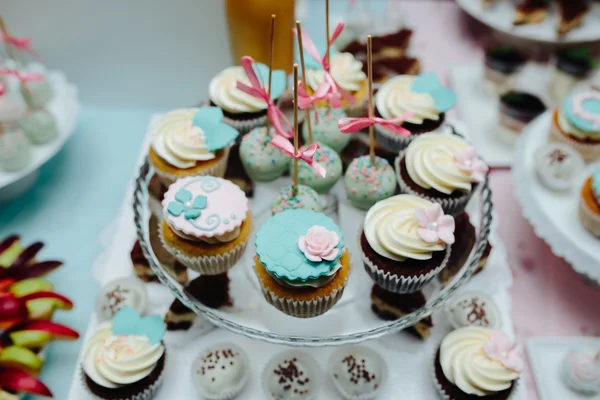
81 190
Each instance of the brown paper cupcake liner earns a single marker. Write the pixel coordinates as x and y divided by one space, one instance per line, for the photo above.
589 151
209 265
451 206
217 170
398 283
589 219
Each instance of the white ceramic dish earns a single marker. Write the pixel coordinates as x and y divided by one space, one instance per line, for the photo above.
65 108
561 230
499 16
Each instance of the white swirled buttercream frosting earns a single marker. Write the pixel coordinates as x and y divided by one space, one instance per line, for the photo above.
431 163
112 361
223 92
465 363
391 229
395 98
177 141
345 70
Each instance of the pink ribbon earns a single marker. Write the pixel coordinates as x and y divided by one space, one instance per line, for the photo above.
21 76
20 43
306 101
351 125
281 124
334 92
2 88
307 155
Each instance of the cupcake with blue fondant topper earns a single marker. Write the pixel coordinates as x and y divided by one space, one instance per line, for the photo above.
576 122
190 142
301 262
589 204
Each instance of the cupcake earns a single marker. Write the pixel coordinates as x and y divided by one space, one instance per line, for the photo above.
557 166
502 64
405 242
190 142
328 159
110 353
39 126
291 375
347 73
475 362
220 372
581 370
304 197
15 150
517 110
444 169
358 373
589 204
262 161
577 123
423 96
571 67
301 262
366 184
206 223
324 126
241 110
37 92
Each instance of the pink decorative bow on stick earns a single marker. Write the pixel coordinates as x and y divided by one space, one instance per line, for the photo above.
23 44
281 124
2 88
21 76
334 91
351 125
307 155
305 100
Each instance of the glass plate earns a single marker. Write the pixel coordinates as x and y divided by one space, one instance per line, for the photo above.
350 320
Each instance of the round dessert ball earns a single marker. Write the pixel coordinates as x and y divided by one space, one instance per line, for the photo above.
15 150
291 375
332 163
358 373
262 161
39 126
324 124
119 293
305 198
38 93
581 371
220 372
366 183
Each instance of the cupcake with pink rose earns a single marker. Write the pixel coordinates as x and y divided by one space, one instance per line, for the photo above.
441 168
405 242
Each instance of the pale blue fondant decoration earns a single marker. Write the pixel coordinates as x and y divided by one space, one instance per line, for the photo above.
183 204
309 61
443 97
590 105
277 245
128 322
278 79
596 183
217 135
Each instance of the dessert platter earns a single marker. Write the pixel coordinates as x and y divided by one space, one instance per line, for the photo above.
561 21
38 113
549 174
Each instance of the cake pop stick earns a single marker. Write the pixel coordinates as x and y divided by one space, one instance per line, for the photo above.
295 185
307 109
327 31
370 89
13 42
271 50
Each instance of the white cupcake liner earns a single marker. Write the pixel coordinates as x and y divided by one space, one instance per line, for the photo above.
392 141
244 126
306 359
206 265
147 394
452 206
589 219
589 151
365 396
398 283
232 391
217 170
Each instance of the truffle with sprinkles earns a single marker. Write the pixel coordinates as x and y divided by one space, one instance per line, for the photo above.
330 160
366 184
306 198
324 122
262 161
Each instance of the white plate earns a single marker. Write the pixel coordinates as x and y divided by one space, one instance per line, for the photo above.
545 356
554 215
64 107
500 16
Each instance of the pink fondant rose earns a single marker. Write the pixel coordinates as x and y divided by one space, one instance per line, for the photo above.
499 348
319 244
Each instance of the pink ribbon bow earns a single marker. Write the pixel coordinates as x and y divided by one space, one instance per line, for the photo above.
307 155
20 43
21 76
306 101
351 125
2 88
281 124
334 91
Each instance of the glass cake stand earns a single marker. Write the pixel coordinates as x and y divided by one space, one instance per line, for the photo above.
349 321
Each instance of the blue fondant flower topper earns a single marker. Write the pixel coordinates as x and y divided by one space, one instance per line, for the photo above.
128 322
443 97
184 204
278 79
217 135
310 62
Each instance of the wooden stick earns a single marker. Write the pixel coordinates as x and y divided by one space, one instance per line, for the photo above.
271 51
295 185
327 28
8 46
370 89
307 110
